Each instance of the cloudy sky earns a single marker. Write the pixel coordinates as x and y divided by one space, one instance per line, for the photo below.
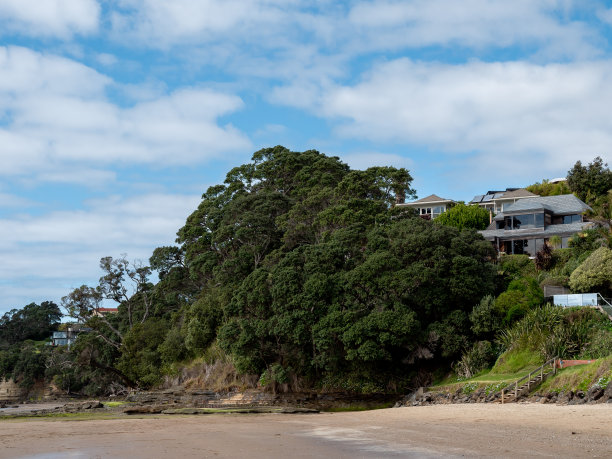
115 115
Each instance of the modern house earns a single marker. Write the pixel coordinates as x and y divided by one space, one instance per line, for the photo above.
525 225
68 336
497 201
430 207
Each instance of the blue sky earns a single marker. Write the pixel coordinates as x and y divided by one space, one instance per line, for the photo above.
115 115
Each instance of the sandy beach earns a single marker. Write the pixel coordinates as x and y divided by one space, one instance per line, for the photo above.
475 430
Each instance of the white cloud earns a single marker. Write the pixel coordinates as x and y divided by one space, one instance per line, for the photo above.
107 59
49 18
393 24
8 200
606 15
556 113
92 178
354 28
162 23
57 112
64 247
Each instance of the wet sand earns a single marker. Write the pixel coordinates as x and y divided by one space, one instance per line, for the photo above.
475 430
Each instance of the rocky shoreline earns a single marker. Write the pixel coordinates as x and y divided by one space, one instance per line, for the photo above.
184 401
424 397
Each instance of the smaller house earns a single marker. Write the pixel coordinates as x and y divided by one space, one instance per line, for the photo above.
526 225
430 207
497 201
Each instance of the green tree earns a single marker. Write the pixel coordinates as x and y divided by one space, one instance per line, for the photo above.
462 217
591 181
33 322
545 188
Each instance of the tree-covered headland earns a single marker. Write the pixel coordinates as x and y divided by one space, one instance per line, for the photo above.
299 272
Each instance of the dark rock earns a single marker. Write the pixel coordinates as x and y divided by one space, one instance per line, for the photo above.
595 393
143 409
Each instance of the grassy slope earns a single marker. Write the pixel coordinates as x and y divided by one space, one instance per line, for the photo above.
512 366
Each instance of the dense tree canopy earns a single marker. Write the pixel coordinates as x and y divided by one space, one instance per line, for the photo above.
34 321
307 268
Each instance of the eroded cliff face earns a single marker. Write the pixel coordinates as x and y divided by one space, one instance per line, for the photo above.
10 391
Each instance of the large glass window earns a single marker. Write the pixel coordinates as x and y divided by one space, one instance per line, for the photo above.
521 221
571 219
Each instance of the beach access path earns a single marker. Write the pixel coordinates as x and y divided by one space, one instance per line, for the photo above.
460 430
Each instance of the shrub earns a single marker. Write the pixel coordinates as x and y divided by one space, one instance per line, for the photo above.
594 274
522 295
515 266
480 356
555 331
544 258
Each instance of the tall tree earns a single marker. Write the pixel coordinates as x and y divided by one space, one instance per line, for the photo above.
591 181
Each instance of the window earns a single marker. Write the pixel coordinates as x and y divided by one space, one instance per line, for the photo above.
539 220
567 219
524 247
529 247
521 221
438 210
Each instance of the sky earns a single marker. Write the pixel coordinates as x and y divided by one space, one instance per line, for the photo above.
116 115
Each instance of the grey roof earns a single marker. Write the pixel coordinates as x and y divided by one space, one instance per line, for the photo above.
549 231
565 204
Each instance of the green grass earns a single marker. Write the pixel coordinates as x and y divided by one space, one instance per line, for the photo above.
114 404
509 367
516 361
60 416
580 377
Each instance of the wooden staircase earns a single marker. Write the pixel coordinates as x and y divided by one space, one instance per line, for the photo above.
513 391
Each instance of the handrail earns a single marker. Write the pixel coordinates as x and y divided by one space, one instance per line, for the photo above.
527 377
605 306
